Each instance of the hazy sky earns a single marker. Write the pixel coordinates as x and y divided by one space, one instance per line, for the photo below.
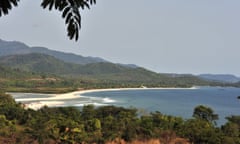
174 36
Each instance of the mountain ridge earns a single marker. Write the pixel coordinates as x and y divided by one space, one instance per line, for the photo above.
15 47
17 55
229 78
103 72
43 63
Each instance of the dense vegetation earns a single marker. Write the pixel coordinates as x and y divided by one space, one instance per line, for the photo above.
69 125
18 80
37 69
37 72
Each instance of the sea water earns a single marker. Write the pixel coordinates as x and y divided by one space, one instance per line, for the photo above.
176 102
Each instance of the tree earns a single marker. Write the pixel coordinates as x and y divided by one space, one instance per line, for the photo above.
69 8
205 113
200 131
88 112
234 119
231 129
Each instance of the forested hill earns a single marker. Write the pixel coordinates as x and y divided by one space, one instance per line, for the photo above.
8 73
14 48
43 61
108 72
37 63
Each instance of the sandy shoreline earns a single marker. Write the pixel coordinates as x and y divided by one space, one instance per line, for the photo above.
55 99
80 93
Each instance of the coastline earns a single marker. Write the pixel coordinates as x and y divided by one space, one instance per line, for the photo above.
54 100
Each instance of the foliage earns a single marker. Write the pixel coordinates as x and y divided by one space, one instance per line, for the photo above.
6 5
232 129
69 8
33 72
200 131
234 119
205 113
103 124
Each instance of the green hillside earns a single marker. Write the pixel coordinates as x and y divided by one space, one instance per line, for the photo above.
98 74
42 63
36 63
17 48
17 80
6 73
88 71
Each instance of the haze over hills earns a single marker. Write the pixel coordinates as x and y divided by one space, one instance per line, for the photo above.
17 55
43 60
14 48
103 71
42 63
220 77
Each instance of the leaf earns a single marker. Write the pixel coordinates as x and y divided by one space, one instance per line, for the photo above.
45 3
51 5
76 130
78 19
14 2
63 5
66 10
82 4
57 4
72 2
70 11
76 32
68 18
6 5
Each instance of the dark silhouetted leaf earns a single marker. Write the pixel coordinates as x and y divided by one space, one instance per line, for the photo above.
66 10
6 5
69 9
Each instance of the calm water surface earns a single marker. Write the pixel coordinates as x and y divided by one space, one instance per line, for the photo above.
177 102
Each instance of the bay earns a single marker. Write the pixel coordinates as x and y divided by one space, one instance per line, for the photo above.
176 102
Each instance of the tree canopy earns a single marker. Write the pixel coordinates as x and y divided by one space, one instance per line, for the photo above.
205 113
69 125
69 8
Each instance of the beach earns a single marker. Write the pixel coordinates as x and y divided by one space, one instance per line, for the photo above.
55 100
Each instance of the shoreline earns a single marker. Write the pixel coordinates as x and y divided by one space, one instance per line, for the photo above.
54 100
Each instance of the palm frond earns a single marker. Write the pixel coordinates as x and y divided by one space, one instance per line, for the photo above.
70 12
69 8
6 5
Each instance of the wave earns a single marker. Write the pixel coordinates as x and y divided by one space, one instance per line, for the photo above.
94 103
108 100
99 99
40 104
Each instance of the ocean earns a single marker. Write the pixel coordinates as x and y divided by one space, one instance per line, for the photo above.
176 102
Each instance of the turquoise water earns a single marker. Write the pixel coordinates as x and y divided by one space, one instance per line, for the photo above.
177 102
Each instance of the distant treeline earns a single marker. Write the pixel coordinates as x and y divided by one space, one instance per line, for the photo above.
15 79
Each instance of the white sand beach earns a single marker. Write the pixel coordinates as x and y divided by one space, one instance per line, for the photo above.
55 100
